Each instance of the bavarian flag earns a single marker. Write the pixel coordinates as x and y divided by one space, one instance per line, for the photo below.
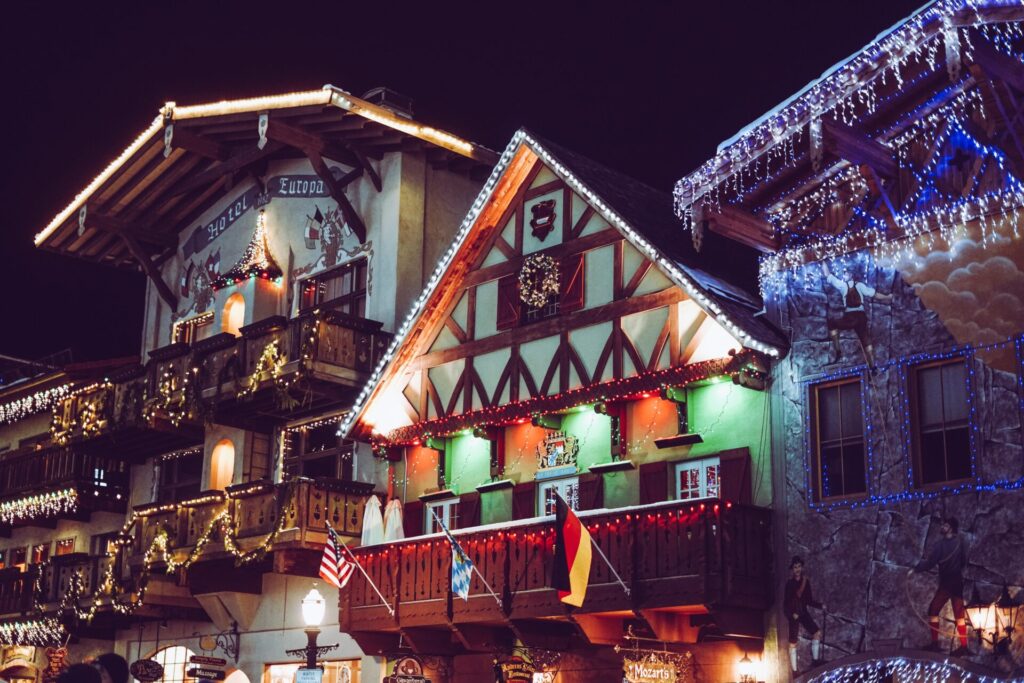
571 572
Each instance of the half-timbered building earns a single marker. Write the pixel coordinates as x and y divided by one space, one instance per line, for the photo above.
569 343
886 197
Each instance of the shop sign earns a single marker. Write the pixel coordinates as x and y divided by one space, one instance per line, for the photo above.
516 670
209 674
649 670
146 670
309 676
202 660
408 669
13 652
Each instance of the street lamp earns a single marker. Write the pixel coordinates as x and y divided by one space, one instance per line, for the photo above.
746 670
1007 611
313 609
982 616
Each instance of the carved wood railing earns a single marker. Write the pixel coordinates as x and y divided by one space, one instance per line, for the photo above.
675 554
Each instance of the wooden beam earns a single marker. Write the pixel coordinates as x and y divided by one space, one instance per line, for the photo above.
338 194
999 65
151 272
303 140
878 189
740 225
857 148
112 224
234 163
198 144
370 170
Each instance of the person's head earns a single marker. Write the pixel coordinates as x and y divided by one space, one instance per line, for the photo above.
80 673
796 566
112 667
950 526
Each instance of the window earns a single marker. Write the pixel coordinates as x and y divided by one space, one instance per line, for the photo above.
189 331
222 465
568 489
342 288
698 479
104 544
334 672
233 318
321 453
64 546
40 553
19 557
447 510
174 660
3 559
180 478
942 444
839 439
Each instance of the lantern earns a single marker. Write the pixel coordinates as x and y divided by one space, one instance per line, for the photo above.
982 615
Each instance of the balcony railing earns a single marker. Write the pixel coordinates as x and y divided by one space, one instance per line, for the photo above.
251 518
38 485
709 554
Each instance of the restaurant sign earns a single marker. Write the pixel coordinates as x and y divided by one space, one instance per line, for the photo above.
408 669
649 670
516 670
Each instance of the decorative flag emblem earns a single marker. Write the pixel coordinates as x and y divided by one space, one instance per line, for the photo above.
334 569
571 572
462 572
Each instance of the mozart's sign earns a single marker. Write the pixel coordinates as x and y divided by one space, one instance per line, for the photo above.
297 186
649 670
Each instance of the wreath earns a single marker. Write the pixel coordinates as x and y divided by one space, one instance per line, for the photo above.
538 280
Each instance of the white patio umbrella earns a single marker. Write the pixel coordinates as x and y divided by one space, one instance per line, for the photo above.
393 528
373 523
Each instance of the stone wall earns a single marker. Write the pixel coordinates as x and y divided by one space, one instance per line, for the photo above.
858 552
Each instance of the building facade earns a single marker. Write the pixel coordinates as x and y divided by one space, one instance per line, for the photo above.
886 199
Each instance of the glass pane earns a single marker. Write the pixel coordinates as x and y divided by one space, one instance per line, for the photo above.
189 467
954 392
322 438
933 467
929 396
828 413
854 475
831 471
711 478
851 410
689 482
958 453
320 467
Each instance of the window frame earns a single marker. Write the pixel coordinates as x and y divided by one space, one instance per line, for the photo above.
192 325
913 421
345 300
344 466
61 542
701 465
448 510
169 485
814 427
562 484
32 550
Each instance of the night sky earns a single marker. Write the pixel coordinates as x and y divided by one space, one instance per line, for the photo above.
649 92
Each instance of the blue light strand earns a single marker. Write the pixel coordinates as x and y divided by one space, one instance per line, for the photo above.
905 669
968 352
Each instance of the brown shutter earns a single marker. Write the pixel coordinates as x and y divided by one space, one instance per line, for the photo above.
591 491
653 482
412 518
469 510
572 284
735 475
524 500
508 302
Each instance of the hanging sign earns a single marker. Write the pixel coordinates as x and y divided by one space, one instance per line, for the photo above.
408 669
649 670
202 660
295 186
55 663
515 669
209 674
146 670
309 675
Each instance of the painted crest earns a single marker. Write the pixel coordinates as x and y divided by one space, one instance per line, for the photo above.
557 450
543 221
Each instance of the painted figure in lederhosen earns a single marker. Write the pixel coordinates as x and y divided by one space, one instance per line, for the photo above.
854 317
950 556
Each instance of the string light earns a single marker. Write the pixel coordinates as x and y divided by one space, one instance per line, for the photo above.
39 506
256 260
904 669
23 407
37 632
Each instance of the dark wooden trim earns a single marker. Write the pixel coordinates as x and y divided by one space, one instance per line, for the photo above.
637 277
859 149
150 270
198 144
499 270
232 164
577 229
540 190
552 326
456 331
338 195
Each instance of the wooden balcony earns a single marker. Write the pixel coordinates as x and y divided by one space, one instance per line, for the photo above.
38 487
130 416
687 565
281 369
287 520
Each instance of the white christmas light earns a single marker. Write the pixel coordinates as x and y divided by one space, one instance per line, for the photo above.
18 409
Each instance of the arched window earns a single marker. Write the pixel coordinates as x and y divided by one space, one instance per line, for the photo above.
174 660
222 464
233 317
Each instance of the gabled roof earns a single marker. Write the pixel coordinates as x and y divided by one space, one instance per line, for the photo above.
641 213
153 189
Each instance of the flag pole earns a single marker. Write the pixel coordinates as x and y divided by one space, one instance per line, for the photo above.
368 579
451 539
595 546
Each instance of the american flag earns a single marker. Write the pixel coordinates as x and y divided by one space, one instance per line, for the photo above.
334 569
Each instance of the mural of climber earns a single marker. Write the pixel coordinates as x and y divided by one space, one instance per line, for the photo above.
855 296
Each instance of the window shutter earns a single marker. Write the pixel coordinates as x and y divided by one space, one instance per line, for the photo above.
508 302
412 518
735 475
524 500
653 482
469 510
572 284
591 491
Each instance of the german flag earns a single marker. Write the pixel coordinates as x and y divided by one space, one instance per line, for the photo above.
571 572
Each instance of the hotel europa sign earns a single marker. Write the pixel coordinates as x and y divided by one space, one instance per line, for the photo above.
649 670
